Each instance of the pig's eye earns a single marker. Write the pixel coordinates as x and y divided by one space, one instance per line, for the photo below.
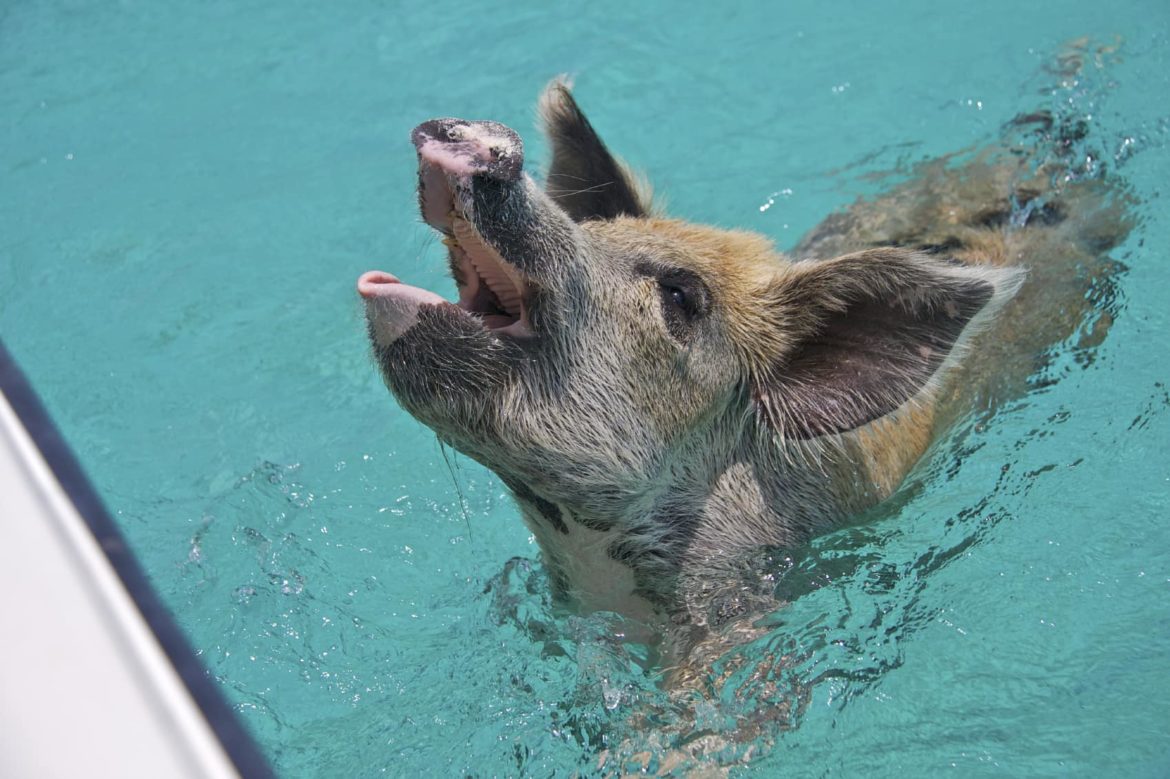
685 301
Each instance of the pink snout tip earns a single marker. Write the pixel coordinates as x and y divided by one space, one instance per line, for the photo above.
373 284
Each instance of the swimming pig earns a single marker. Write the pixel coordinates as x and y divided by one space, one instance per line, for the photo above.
660 396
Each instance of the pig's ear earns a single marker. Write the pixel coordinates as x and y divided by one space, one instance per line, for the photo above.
584 178
862 335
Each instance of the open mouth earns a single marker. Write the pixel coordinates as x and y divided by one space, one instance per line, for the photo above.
453 155
490 287
492 291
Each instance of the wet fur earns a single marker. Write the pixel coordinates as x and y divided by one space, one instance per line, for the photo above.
648 454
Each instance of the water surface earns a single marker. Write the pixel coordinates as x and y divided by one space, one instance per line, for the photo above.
189 193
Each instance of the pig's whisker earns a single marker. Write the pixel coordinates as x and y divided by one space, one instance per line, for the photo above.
458 487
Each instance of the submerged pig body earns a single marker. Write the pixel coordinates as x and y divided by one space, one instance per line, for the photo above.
661 397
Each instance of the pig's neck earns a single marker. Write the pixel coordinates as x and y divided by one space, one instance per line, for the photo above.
587 567
671 554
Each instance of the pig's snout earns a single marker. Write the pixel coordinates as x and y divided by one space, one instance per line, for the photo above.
452 153
462 148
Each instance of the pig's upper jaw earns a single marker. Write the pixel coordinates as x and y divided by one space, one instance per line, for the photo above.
451 153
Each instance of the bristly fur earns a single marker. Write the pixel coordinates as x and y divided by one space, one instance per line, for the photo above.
689 394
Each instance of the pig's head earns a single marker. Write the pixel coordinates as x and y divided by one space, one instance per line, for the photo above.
640 383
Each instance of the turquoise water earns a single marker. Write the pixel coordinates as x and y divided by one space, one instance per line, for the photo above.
189 194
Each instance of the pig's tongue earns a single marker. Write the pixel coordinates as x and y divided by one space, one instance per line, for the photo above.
391 306
377 285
